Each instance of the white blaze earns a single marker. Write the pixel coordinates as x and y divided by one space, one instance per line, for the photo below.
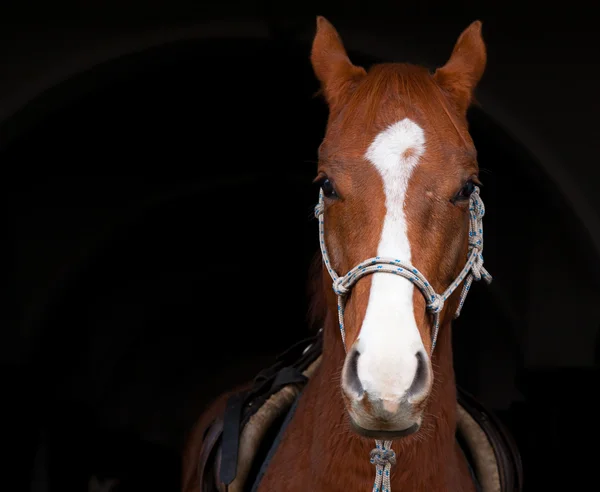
389 338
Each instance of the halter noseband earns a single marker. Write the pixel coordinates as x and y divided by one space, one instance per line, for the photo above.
473 269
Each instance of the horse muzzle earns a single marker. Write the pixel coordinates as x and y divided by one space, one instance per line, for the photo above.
389 407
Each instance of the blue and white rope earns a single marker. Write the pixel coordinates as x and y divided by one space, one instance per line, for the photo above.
383 457
473 270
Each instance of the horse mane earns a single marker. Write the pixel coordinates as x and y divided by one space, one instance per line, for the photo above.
317 304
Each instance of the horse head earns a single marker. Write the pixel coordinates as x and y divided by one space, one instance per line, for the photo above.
398 178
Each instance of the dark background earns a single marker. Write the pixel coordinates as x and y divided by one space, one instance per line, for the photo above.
157 162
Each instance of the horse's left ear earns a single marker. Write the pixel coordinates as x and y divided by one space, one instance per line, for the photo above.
462 72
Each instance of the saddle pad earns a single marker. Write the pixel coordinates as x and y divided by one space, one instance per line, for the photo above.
488 446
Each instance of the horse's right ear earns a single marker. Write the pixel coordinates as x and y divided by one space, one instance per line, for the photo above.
331 64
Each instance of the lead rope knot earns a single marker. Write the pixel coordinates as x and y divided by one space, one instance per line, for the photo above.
383 457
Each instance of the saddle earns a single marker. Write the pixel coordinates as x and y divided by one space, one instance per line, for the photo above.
239 444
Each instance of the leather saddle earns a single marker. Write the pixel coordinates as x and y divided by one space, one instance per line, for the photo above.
238 445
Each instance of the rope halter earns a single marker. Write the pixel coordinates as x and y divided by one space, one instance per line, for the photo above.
473 270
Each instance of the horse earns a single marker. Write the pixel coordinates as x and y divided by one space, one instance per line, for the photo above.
399 214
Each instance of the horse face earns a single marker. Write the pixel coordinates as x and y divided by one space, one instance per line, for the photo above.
396 167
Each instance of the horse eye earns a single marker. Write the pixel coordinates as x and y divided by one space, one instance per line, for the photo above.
328 189
466 191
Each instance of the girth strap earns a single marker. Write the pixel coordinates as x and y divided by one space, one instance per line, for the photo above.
231 437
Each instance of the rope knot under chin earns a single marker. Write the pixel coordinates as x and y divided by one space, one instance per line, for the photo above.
382 457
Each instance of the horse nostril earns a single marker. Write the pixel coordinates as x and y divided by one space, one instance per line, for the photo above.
352 381
421 375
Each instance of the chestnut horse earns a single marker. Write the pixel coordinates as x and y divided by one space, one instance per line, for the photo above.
398 179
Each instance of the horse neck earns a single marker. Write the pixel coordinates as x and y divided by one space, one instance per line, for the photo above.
430 449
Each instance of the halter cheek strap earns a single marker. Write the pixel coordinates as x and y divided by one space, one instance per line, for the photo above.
383 457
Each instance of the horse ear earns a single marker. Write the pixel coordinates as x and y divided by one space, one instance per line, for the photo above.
462 72
331 64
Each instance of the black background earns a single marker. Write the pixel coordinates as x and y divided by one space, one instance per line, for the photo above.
158 216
